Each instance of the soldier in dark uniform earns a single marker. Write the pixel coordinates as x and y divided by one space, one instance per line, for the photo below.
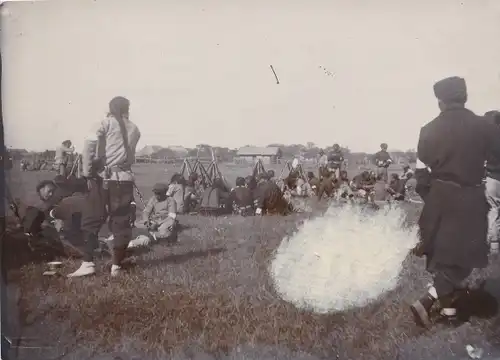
397 187
336 160
314 182
452 150
383 161
241 198
268 198
251 182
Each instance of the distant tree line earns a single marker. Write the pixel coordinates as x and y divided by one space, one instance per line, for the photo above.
309 151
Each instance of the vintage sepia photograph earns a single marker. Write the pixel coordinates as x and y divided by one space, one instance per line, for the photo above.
250 180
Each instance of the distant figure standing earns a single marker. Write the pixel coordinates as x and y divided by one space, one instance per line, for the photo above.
493 191
383 161
62 157
107 158
336 160
322 163
453 225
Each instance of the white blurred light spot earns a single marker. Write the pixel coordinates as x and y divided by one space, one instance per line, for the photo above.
343 259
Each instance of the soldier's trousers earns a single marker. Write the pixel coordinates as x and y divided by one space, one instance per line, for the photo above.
448 278
384 172
113 203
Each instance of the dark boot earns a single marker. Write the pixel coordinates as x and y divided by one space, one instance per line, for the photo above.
421 310
448 312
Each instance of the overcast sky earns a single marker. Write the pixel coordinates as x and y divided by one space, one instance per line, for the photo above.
198 71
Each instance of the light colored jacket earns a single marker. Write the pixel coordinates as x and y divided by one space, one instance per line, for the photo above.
177 192
323 160
62 154
105 141
159 211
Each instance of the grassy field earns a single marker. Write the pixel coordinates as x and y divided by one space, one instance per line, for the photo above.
210 297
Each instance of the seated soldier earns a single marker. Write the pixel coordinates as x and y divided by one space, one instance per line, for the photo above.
314 182
410 186
159 218
37 221
360 184
176 191
407 172
271 174
37 216
397 188
241 198
268 198
380 194
344 191
215 200
327 185
190 195
296 185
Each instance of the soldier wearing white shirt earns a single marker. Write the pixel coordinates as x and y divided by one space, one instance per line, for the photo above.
107 158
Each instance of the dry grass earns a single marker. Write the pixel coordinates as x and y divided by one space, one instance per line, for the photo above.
210 295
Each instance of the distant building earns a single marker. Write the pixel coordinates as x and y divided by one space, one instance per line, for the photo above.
251 154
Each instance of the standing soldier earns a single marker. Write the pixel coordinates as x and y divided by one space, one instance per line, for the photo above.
322 163
453 224
383 161
107 158
336 160
62 157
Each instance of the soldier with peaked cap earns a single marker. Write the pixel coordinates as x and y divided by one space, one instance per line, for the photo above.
107 158
452 150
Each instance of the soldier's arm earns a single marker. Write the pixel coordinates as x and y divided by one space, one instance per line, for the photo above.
172 209
89 152
171 190
422 169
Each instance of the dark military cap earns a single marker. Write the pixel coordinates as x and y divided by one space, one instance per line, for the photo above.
451 90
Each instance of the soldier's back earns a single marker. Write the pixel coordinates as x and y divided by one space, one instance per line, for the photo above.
458 141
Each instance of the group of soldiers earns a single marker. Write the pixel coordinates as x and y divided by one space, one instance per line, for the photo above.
375 187
449 177
65 162
64 200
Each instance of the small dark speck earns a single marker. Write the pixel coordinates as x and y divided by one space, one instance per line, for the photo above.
217 44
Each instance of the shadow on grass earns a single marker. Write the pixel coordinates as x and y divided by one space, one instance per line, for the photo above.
20 250
482 302
181 258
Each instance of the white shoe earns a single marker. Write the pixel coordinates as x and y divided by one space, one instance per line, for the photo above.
86 269
116 270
